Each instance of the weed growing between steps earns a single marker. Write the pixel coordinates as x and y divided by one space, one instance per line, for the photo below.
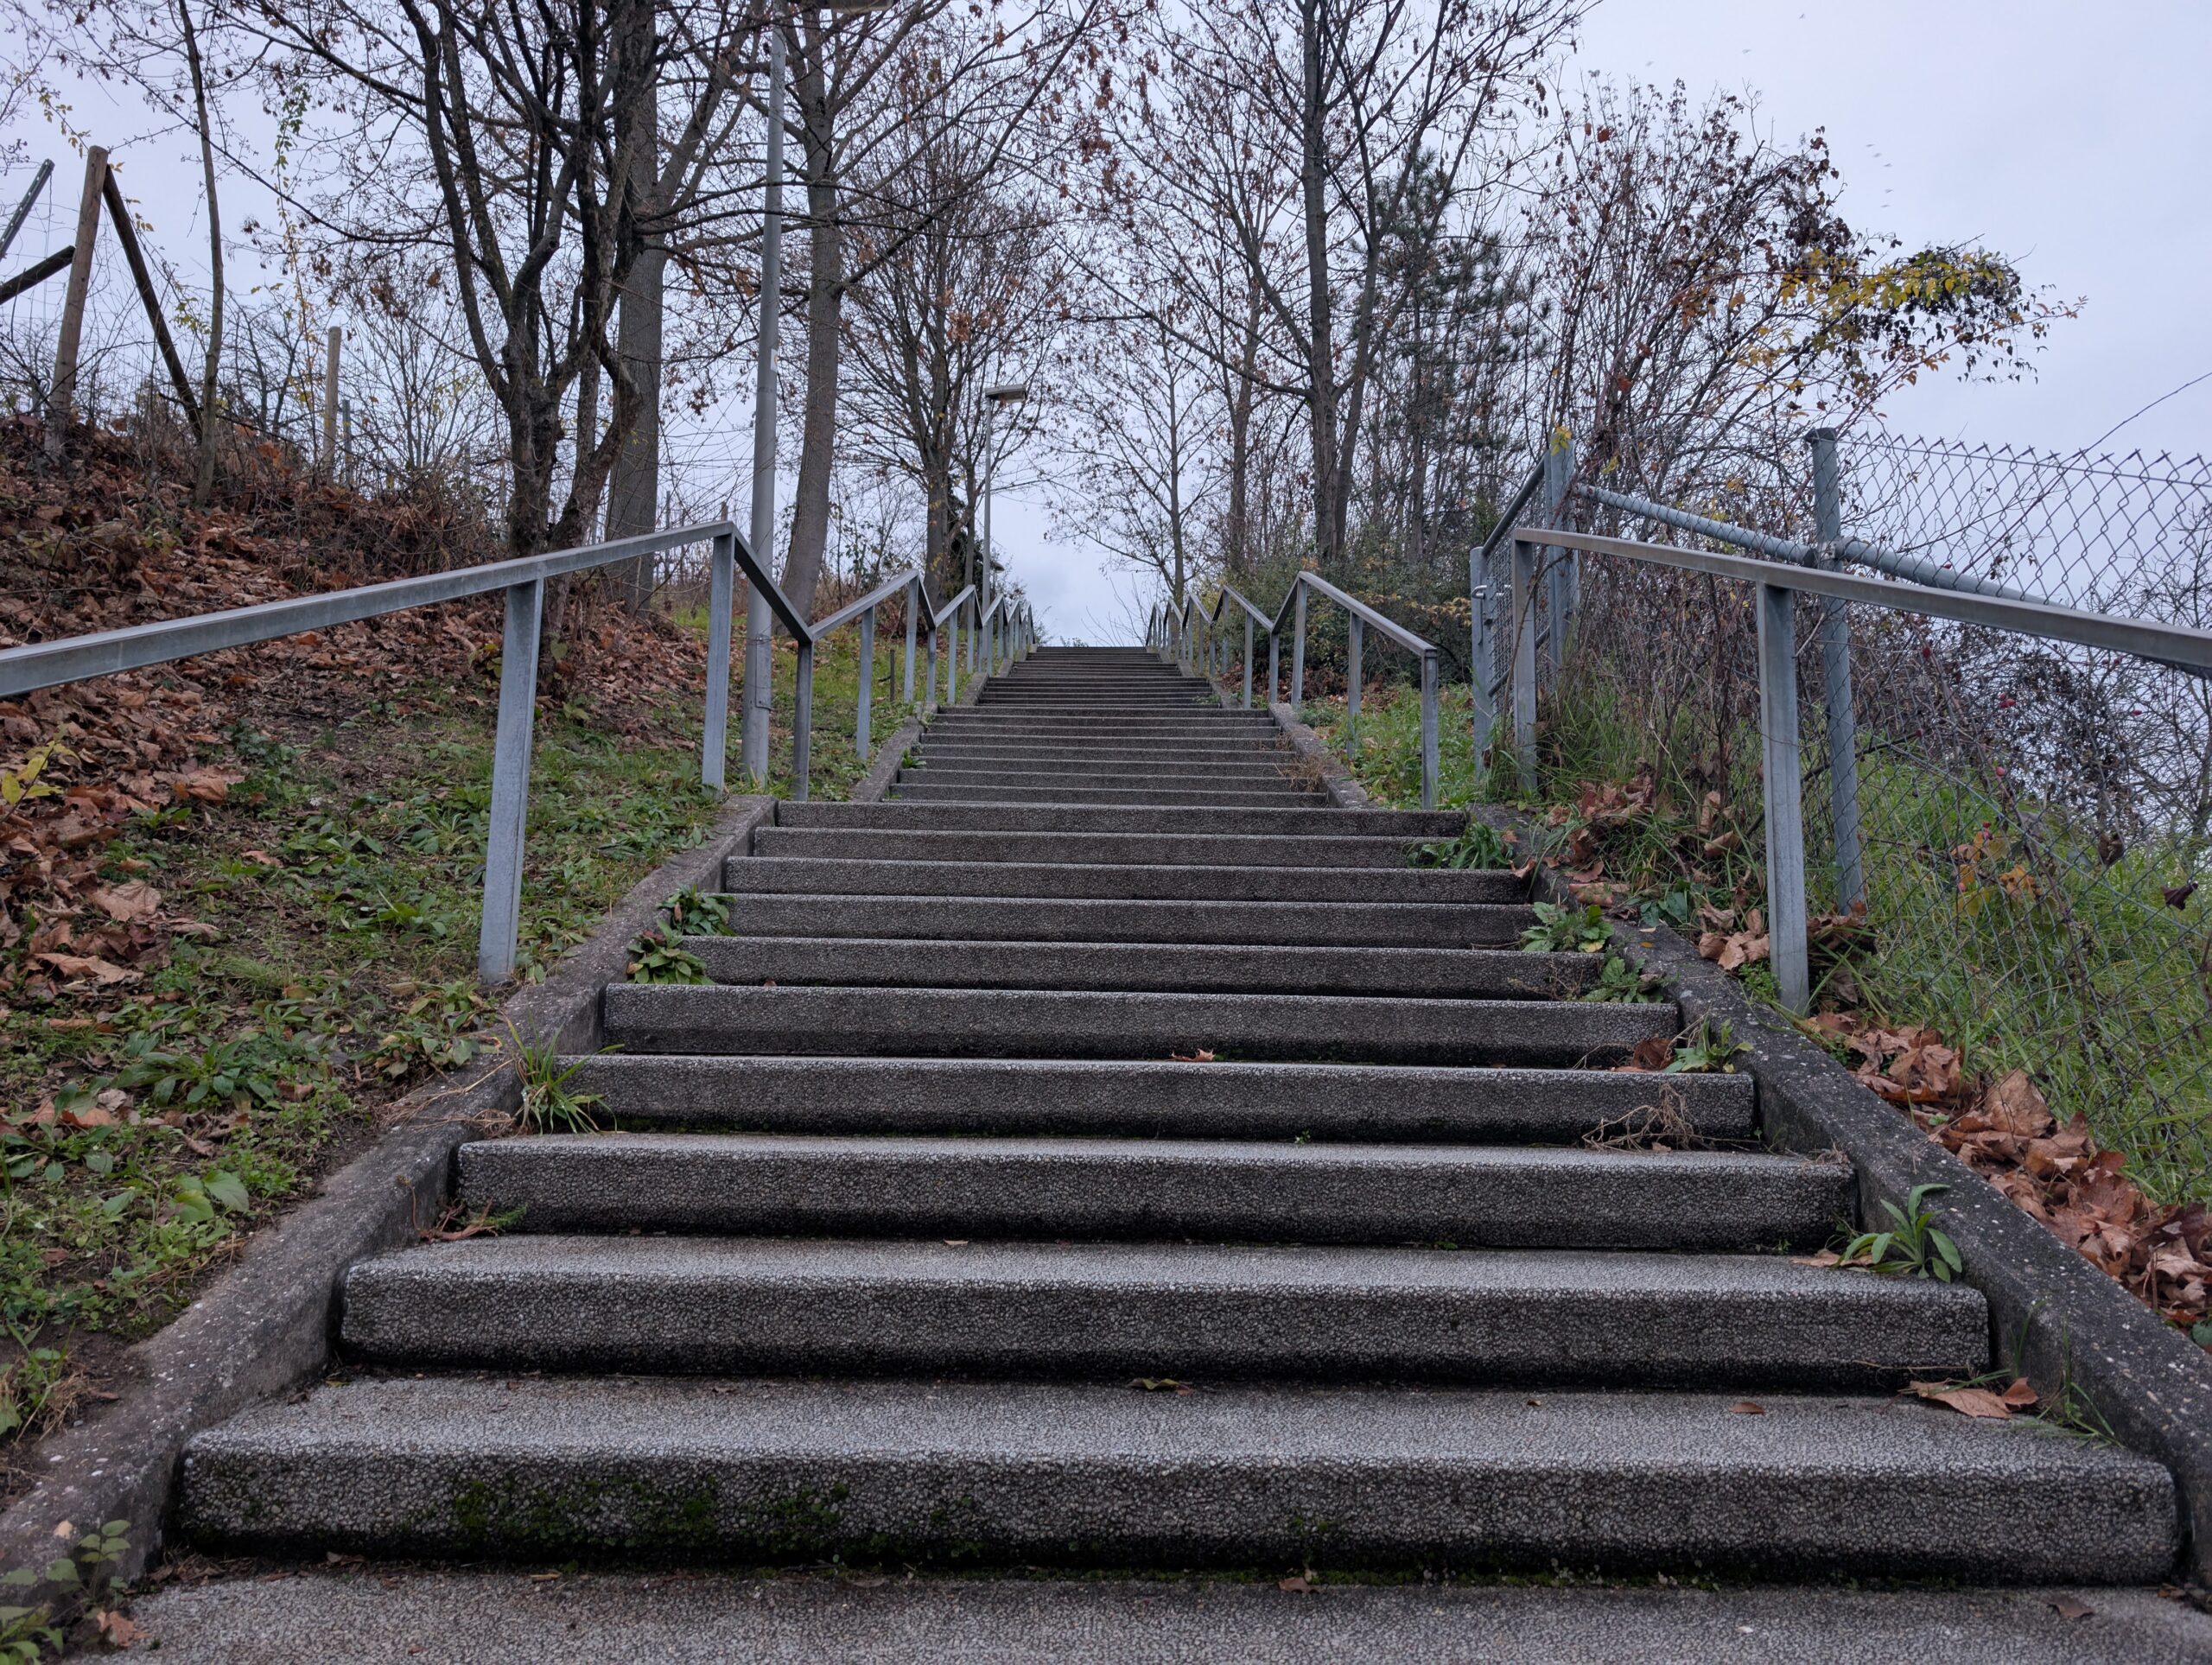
1902 988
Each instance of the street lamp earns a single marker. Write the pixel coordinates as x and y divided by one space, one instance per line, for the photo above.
1005 393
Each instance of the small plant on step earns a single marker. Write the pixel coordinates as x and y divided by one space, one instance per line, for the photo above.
1563 929
1620 983
694 914
1912 1247
88 1569
1710 1049
658 957
1481 846
548 1104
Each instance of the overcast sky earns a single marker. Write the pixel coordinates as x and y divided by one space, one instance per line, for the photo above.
2076 138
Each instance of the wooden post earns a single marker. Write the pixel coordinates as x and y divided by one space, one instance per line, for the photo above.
61 398
330 402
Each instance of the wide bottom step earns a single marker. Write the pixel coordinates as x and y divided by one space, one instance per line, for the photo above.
984 1472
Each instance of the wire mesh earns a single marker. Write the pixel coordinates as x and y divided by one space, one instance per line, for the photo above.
2033 819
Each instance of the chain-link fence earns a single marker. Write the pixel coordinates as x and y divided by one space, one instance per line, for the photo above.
2005 834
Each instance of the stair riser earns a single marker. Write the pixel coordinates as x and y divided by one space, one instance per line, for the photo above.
1145 1099
953 916
926 791
636 1320
672 1470
1439 973
1021 1023
1261 779
1137 849
1156 882
1373 823
1090 1189
1264 767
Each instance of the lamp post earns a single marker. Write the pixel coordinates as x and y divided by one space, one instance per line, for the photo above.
994 399
760 655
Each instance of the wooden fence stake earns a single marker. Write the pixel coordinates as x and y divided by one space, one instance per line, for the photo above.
61 398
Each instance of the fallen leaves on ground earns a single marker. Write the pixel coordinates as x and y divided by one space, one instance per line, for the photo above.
1967 1401
2005 1130
1199 1057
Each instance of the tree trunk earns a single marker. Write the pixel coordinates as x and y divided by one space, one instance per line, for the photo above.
633 500
1328 519
825 293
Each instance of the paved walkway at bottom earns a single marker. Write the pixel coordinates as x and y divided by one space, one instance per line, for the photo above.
494 1618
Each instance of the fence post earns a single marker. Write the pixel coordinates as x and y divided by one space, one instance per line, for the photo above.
1428 764
1482 671
1785 814
906 665
331 343
867 682
1835 679
952 658
1248 661
1563 565
61 398
1355 672
722 583
510 810
929 678
1274 665
802 721
1524 661
1298 651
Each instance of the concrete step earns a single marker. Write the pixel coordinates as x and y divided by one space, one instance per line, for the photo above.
927 790
1441 973
1267 766
937 1022
1486 1197
1193 1311
890 1472
1372 823
398 1616
948 917
1148 1098
1108 850
1254 779
971 722
1120 881
1246 754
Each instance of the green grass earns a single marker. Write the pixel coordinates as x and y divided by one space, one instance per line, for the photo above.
150 1125
2025 952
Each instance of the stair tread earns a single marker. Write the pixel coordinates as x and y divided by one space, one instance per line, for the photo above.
1028 1470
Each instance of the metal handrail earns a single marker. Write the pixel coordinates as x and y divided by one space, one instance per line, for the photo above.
522 581
1169 630
1778 583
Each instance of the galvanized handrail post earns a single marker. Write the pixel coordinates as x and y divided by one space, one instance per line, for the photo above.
1248 661
929 678
1524 660
1428 760
1835 676
867 689
952 658
722 583
803 722
1482 677
1355 674
1298 650
1784 785
1564 566
510 810
907 665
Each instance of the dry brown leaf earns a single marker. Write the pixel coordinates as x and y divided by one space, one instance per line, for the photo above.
133 901
1748 1407
2070 1607
1967 1401
2021 1395
1199 1057
1296 1585
103 972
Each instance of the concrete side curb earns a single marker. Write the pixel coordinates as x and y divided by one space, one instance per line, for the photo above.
1344 791
2054 1316
885 769
266 1326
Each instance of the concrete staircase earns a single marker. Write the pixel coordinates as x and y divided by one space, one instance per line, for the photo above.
929 1235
